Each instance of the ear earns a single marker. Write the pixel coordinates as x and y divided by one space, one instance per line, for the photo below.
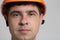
6 19
42 15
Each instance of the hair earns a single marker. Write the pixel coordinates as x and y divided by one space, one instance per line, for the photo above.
7 7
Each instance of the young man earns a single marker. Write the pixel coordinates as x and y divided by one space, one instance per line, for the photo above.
24 17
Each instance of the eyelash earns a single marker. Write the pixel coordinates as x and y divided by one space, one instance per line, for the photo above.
31 13
15 14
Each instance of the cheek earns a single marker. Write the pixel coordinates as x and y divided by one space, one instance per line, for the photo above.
13 24
13 21
35 24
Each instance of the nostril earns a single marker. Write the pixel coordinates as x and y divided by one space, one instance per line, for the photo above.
22 24
26 23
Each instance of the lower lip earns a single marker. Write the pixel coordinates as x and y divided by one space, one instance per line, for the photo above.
24 31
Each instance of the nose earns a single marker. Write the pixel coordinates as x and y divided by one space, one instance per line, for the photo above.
23 20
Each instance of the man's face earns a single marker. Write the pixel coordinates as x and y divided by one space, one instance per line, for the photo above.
24 22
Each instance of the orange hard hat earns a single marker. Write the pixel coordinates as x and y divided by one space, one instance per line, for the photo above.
7 1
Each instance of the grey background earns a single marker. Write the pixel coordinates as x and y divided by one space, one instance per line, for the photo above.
49 31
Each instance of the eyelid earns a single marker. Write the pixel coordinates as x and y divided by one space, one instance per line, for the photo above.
15 12
32 11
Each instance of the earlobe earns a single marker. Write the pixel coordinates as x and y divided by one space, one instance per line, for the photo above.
43 21
6 18
6 23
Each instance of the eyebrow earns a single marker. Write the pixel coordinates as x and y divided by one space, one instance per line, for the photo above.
32 11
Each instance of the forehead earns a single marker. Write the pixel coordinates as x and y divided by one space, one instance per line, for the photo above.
24 9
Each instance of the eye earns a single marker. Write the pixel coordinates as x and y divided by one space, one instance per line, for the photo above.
14 13
31 13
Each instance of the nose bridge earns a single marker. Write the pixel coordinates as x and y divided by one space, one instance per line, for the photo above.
24 18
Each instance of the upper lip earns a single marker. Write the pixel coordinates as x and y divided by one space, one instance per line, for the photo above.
24 30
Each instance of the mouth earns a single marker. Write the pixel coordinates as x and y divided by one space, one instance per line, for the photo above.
24 31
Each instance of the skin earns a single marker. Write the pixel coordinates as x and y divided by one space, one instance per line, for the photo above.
24 22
